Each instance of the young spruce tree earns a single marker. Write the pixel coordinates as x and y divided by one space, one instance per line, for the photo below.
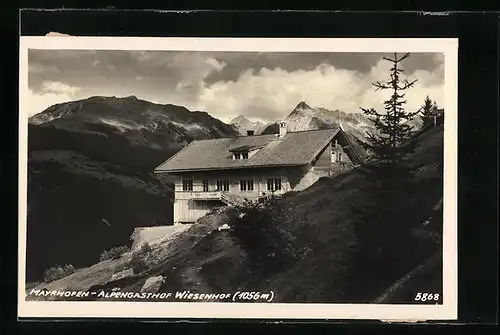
382 218
428 112
392 140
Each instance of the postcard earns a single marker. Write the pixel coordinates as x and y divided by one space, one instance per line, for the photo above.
238 178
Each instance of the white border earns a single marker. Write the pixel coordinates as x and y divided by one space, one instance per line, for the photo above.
447 311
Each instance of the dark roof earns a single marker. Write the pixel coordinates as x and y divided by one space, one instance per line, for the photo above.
293 149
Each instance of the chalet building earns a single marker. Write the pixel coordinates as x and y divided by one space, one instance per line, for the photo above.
218 172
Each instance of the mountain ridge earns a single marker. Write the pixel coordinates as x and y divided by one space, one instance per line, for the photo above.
243 124
122 128
304 117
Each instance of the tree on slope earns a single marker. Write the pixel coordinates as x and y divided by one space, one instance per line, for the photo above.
392 140
428 112
385 214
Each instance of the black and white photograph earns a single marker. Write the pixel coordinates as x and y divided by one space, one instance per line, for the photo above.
181 172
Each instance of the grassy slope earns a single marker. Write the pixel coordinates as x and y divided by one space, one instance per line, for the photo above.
69 197
206 260
322 276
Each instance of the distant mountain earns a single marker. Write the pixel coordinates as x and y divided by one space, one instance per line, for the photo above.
305 117
126 131
242 124
89 174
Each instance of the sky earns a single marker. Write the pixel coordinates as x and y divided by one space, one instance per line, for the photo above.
261 86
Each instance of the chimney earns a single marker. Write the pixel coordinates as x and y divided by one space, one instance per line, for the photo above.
250 132
282 128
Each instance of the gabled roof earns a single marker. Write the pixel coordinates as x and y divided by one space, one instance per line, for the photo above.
293 149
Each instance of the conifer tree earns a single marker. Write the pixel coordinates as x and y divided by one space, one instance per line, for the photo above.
381 216
428 111
391 142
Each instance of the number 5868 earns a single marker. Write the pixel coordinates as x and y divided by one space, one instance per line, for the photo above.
427 297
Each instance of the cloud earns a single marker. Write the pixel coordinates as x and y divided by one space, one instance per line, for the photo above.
52 93
191 71
270 94
57 87
261 86
429 83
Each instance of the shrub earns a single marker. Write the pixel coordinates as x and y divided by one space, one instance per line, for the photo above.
113 253
263 228
138 263
139 259
145 249
216 210
57 272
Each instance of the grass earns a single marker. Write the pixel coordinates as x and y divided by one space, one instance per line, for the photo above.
57 272
139 259
113 253
81 280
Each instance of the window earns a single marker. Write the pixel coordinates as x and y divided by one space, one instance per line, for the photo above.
223 185
340 157
205 186
187 185
334 143
277 183
246 185
240 155
333 157
274 184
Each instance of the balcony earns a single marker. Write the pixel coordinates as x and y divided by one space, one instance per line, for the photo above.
199 195
226 197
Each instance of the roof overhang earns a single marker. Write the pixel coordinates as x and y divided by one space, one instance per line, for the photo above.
230 168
